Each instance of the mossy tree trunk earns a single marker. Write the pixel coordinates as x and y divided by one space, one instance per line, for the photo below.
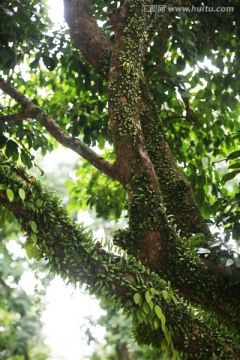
162 212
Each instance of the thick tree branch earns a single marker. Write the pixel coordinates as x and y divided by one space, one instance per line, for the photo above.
131 154
71 253
177 193
87 35
133 118
32 111
13 93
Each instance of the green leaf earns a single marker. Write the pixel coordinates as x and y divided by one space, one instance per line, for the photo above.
158 311
137 298
163 321
34 238
234 155
3 187
12 149
22 194
3 141
235 135
174 299
34 64
161 316
146 308
148 296
229 176
36 253
175 355
151 305
34 226
235 166
152 291
29 251
237 262
165 295
156 323
32 251
10 195
139 316
167 335
9 216
26 159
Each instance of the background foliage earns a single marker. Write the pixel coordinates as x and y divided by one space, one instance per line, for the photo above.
20 332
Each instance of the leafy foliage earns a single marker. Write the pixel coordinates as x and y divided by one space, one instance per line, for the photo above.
197 95
20 334
96 191
17 19
119 340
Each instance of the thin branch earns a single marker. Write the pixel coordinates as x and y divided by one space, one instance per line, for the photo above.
15 117
172 118
55 130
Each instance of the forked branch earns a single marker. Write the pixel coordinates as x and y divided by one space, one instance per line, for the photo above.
30 110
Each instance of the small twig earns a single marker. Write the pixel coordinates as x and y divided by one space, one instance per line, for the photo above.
175 117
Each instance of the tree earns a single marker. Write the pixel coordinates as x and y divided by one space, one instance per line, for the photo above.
163 89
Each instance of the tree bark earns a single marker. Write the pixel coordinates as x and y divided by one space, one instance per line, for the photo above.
122 352
87 35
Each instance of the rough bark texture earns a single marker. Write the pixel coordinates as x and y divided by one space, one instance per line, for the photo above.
177 193
87 35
